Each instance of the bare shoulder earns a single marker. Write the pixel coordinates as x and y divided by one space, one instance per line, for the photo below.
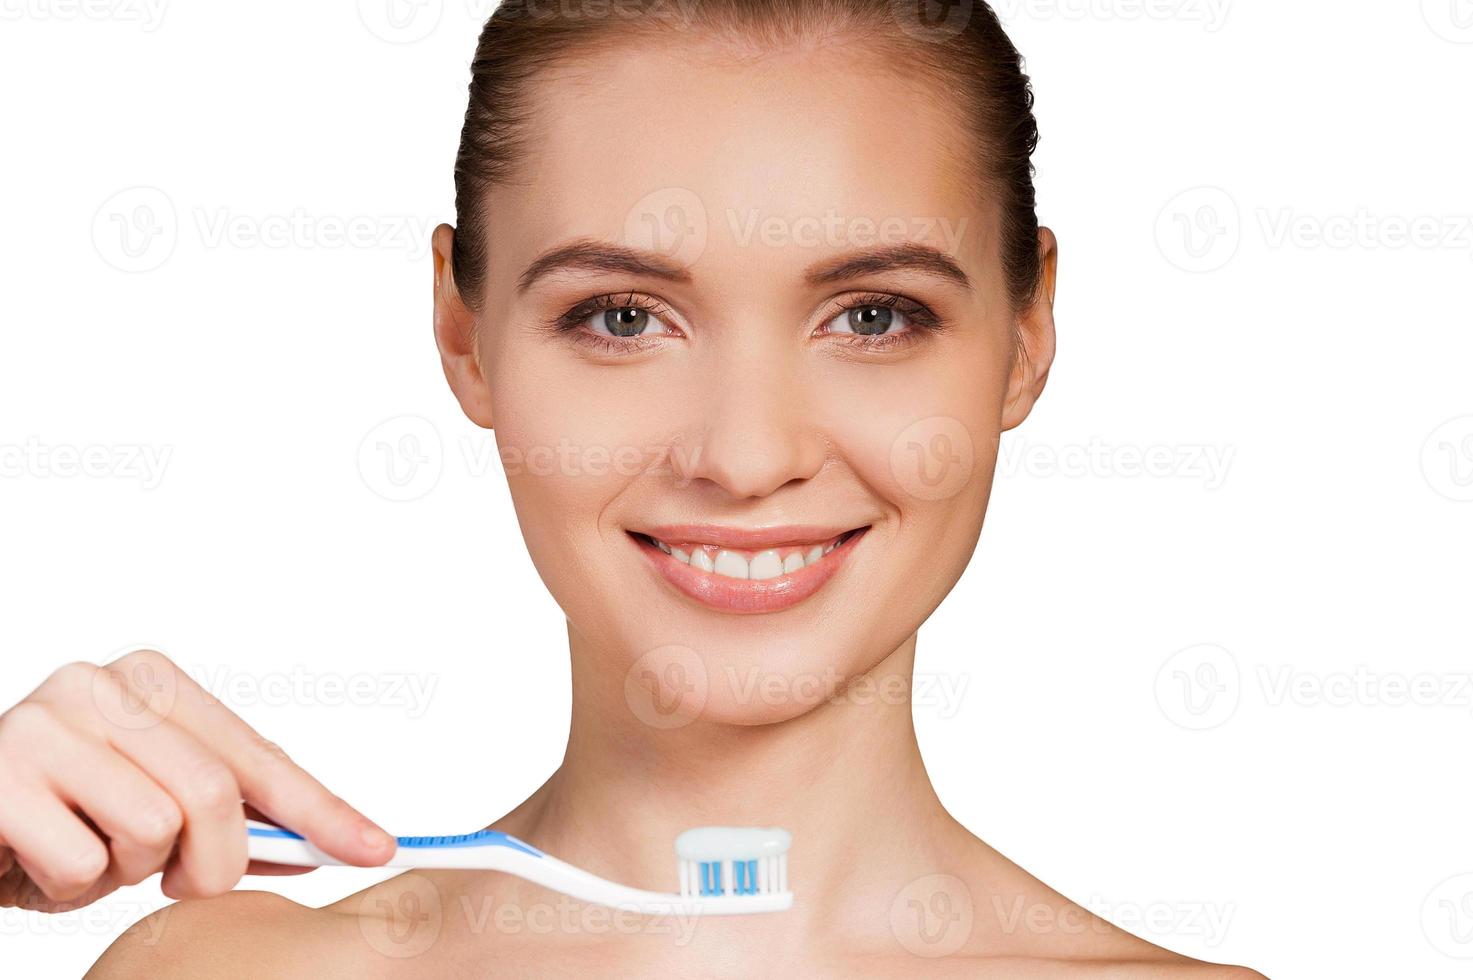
1040 968
238 934
1021 927
1178 967
1075 942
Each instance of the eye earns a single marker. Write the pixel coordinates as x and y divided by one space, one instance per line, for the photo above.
880 318
869 320
617 320
627 321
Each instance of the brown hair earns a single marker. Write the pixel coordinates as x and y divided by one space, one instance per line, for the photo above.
968 54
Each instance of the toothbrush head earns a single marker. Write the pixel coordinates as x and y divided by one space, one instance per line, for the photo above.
741 865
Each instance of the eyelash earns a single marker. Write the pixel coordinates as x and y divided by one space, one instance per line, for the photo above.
571 322
921 321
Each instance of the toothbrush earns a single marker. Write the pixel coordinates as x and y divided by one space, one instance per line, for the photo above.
722 870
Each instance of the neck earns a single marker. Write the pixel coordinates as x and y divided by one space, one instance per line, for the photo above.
845 777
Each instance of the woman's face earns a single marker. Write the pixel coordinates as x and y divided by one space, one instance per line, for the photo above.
804 341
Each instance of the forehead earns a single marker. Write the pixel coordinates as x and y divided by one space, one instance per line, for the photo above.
820 143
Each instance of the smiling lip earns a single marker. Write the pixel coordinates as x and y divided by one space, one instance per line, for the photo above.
747 595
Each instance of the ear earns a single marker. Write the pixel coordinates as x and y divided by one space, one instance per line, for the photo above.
1034 339
455 335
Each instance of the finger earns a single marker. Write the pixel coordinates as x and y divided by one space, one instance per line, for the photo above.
211 852
140 819
267 777
210 856
55 848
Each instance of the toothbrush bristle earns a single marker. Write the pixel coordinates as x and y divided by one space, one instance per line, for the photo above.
721 862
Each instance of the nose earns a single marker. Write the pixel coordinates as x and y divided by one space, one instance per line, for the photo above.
753 431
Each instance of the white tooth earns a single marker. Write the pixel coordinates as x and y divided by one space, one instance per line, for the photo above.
829 547
699 559
766 564
679 555
663 546
792 563
814 554
731 565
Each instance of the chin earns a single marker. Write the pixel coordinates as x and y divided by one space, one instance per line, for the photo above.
750 676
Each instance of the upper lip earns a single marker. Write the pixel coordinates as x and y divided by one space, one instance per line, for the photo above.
748 538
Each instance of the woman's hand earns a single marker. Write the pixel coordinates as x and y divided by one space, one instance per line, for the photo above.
108 774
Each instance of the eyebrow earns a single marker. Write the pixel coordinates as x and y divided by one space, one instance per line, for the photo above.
890 258
597 256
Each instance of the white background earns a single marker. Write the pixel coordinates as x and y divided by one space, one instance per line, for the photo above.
1239 305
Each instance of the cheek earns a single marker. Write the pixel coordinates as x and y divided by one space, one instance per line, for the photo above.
928 447
570 443
923 433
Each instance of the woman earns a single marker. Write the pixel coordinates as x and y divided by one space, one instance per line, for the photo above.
765 280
